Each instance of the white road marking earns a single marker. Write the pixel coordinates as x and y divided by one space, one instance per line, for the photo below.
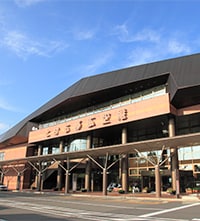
97 204
80 214
169 210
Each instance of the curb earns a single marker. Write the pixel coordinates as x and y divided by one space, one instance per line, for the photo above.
184 198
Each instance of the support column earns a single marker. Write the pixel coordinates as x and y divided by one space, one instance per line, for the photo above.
92 182
59 173
39 150
74 182
2 177
125 173
157 181
174 156
87 175
67 182
88 166
67 176
61 146
18 181
59 178
124 163
39 181
37 177
105 180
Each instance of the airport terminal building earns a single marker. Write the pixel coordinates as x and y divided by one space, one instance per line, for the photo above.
138 125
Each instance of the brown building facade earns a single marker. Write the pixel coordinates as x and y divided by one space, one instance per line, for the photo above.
139 125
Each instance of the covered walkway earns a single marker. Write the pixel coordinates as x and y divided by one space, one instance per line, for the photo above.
121 150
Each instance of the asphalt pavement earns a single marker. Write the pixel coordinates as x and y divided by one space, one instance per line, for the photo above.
55 206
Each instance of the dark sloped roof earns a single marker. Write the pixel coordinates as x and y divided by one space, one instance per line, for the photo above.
182 72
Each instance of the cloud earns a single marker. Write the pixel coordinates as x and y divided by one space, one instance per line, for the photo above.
160 50
27 3
3 127
148 45
5 106
99 61
176 47
84 35
141 56
23 46
124 34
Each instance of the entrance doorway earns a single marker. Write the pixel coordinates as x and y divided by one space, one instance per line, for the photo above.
148 180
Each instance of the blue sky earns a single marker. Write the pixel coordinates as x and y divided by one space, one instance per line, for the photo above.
47 45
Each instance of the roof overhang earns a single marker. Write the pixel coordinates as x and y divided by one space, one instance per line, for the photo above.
141 146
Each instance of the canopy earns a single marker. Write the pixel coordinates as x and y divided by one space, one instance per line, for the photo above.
141 146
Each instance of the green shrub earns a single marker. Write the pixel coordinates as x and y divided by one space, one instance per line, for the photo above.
121 191
171 191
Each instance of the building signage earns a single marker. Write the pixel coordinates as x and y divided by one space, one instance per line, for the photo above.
91 122
127 113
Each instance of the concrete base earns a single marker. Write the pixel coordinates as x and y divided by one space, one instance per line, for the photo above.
191 197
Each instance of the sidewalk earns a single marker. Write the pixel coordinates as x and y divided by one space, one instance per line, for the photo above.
116 195
148 196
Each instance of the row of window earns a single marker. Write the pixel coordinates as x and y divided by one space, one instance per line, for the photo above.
138 171
186 153
138 159
119 102
75 145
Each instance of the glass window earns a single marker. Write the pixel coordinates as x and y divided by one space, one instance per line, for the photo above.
78 144
133 171
55 150
2 155
189 153
131 98
186 167
45 150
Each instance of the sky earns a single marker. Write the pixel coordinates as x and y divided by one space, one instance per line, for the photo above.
48 45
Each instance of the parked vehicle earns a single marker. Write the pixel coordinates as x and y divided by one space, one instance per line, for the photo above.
135 189
114 187
3 187
193 187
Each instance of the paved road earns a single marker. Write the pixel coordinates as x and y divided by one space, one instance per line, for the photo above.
38 207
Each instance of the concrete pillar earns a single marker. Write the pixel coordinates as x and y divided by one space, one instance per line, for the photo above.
60 171
89 142
74 182
125 173
59 178
174 155
87 175
18 181
61 146
88 166
124 135
124 163
39 150
38 177
2 177
92 182
157 181
105 181
67 182
40 181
